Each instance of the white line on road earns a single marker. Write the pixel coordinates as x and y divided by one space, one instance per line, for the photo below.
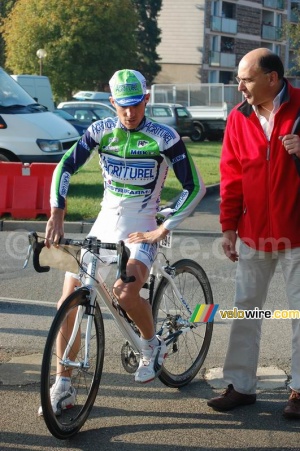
27 301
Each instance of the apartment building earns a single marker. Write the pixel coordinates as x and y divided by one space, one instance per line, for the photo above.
204 40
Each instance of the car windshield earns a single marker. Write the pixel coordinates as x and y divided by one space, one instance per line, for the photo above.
182 112
11 93
89 113
64 114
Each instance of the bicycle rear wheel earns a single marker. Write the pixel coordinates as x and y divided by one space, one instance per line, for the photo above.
85 379
187 353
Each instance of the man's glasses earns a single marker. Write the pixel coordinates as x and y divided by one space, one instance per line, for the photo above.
246 81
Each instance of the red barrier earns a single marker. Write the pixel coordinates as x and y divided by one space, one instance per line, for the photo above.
25 189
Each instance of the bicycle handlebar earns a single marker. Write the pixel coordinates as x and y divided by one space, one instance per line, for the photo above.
91 244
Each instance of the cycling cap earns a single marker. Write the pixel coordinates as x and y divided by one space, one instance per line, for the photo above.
128 87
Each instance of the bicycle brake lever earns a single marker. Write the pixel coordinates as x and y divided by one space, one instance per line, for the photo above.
29 250
123 258
36 247
32 238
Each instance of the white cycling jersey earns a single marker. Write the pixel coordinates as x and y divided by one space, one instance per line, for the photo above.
134 166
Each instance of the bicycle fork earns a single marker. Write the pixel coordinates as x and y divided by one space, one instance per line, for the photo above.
89 309
81 309
174 325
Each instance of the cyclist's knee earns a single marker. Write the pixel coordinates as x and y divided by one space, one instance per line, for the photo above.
70 283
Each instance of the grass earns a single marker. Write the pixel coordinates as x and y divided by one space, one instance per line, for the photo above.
86 187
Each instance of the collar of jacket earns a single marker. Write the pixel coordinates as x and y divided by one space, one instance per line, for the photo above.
131 130
246 109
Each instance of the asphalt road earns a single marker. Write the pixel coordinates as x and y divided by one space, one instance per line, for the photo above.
127 416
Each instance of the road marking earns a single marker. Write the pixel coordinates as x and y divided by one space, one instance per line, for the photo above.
27 301
41 303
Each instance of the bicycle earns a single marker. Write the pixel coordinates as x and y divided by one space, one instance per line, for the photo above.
174 292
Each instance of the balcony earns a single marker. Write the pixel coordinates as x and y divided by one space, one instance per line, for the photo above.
223 24
220 59
294 15
271 33
274 4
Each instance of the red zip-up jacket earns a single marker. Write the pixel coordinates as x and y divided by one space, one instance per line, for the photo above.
260 186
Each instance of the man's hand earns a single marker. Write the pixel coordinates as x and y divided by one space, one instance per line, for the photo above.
228 245
291 143
154 236
55 227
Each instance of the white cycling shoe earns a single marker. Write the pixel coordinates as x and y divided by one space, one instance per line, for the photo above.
60 400
150 362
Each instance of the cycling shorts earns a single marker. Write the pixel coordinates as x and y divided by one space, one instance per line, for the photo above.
112 227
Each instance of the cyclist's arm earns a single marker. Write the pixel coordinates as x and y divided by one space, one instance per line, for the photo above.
72 161
193 191
55 226
154 236
191 181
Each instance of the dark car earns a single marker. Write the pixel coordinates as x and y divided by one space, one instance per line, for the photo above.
175 115
79 125
87 111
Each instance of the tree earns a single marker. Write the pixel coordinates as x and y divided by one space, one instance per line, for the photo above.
292 34
148 37
86 42
5 7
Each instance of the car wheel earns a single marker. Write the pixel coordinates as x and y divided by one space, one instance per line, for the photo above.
198 134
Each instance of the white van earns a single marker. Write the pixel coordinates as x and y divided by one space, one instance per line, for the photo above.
38 87
28 131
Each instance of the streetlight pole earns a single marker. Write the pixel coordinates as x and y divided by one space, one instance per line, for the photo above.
41 53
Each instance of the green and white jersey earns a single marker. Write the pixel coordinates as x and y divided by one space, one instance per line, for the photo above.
134 165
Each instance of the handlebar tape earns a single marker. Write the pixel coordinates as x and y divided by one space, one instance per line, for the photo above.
37 249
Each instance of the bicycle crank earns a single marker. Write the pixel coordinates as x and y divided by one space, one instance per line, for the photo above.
130 359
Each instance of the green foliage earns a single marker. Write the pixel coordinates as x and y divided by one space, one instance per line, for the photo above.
85 41
291 32
5 7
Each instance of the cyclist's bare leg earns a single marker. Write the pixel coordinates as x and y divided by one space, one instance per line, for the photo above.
68 287
137 308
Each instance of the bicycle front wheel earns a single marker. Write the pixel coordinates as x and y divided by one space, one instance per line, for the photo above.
186 354
85 373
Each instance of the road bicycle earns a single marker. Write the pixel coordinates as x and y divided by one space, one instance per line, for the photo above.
174 292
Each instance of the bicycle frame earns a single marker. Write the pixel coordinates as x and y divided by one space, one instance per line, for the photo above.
99 287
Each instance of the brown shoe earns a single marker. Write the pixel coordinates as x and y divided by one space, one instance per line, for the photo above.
292 409
231 399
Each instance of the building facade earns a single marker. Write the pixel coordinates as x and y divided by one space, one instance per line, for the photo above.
205 40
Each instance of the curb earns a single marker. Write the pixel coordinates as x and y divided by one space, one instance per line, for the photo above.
84 226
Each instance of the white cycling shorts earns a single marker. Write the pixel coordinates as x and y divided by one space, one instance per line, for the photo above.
111 228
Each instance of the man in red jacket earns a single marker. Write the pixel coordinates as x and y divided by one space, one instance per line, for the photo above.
260 204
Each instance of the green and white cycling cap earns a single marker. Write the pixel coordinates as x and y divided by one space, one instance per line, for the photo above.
128 87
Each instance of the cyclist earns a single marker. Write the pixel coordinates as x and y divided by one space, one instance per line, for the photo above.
134 154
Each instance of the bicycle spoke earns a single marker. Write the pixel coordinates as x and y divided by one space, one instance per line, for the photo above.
191 344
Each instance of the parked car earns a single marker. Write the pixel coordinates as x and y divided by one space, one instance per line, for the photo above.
175 115
88 111
79 125
99 96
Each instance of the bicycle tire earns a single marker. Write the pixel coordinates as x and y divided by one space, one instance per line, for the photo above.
84 381
187 354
